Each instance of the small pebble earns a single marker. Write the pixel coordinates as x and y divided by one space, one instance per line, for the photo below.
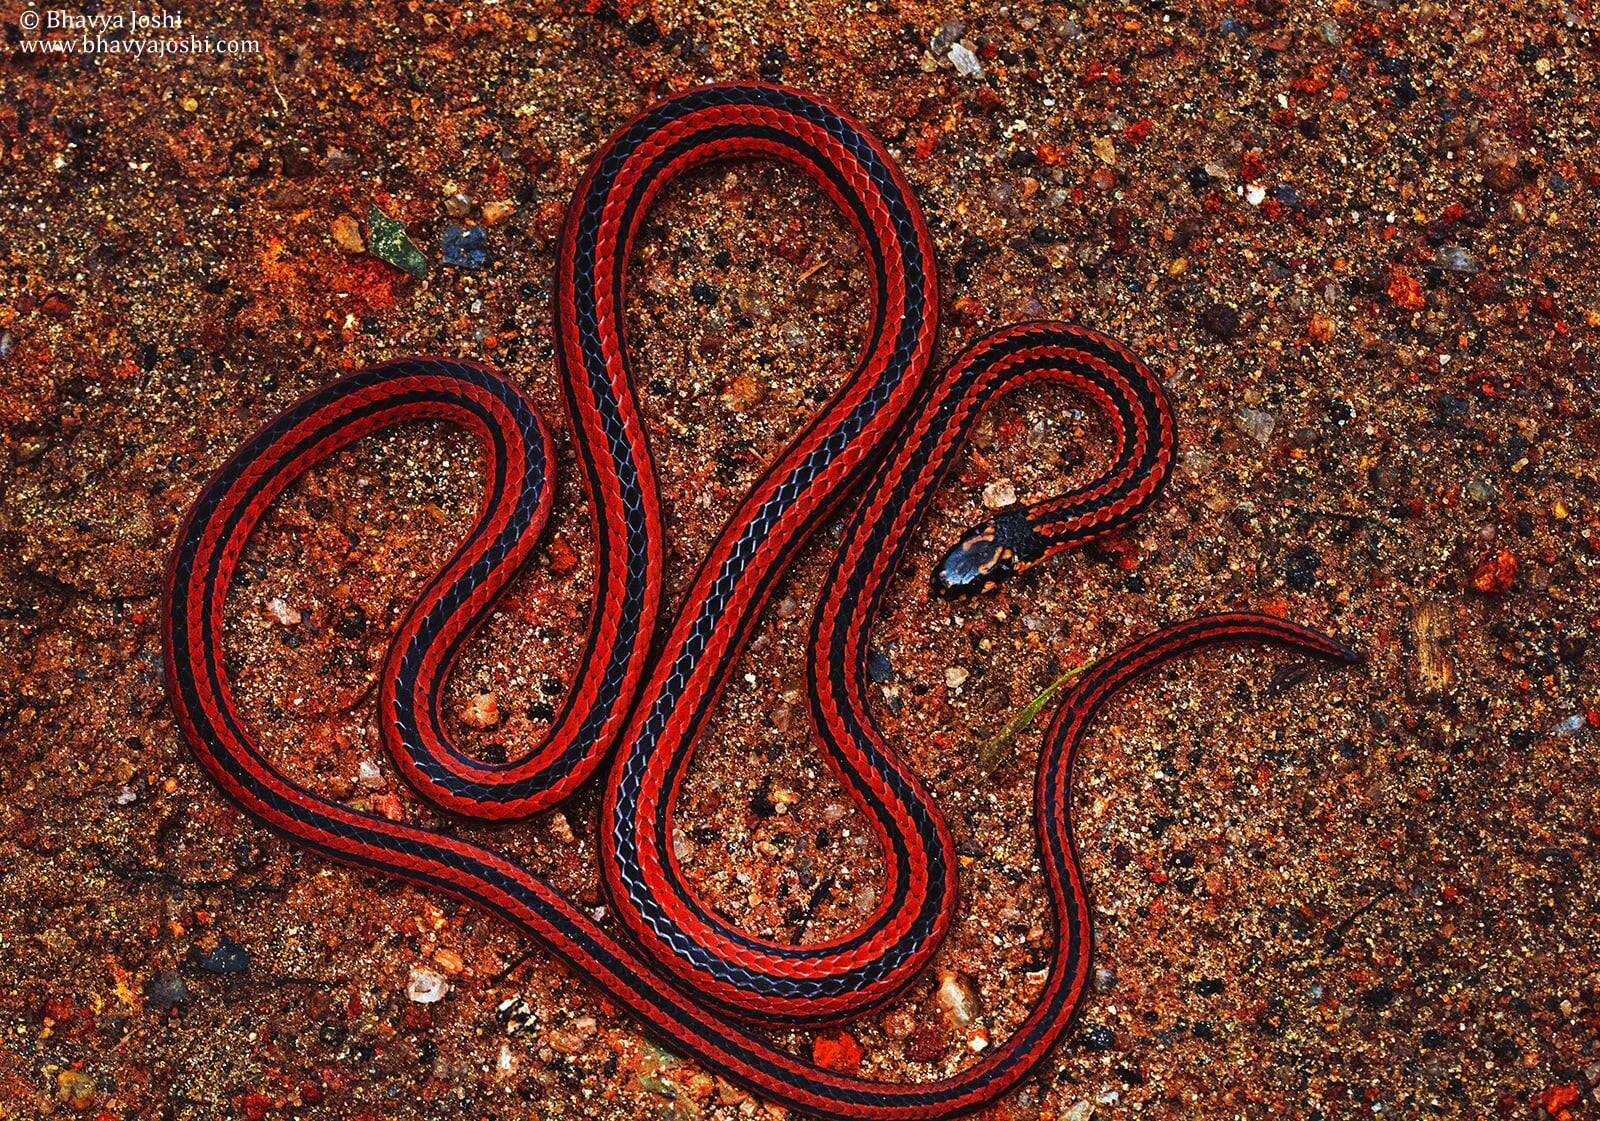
347 234
1455 258
879 668
1220 321
481 711
464 247
947 36
1300 568
1503 175
744 393
999 494
279 611
388 241
1256 424
75 1089
561 828
369 774
955 677
426 986
166 990
1495 574
226 959
958 999
837 1050
965 61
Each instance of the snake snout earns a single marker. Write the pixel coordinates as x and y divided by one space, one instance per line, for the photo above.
977 563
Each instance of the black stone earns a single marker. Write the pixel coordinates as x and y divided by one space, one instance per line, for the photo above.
879 668
166 990
1097 1037
1380 996
1300 569
1220 321
226 959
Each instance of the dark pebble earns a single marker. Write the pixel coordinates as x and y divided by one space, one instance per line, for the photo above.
352 622
166 990
1220 321
1300 569
879 668
298 163
463 247
1453 409
1379 997
773 60
1097 1037
228 958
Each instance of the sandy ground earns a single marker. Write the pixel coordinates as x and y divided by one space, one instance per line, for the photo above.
1354 240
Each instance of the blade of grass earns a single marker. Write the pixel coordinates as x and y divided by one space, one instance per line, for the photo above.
992 750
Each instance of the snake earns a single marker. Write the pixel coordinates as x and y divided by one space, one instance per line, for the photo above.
650 673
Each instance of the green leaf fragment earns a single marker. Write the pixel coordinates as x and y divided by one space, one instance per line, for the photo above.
992 750
387 240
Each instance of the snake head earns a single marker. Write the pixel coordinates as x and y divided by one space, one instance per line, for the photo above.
988 554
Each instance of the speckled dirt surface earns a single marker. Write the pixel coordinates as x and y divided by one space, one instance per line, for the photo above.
1356 243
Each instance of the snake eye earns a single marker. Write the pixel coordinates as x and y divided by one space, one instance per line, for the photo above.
977 564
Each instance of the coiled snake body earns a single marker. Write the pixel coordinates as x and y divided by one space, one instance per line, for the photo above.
648 679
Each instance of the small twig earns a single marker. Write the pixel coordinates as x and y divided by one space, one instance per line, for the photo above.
1334 937
272 80
798 929
991 750
513 967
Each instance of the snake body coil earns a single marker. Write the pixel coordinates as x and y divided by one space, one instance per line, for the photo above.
646 685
